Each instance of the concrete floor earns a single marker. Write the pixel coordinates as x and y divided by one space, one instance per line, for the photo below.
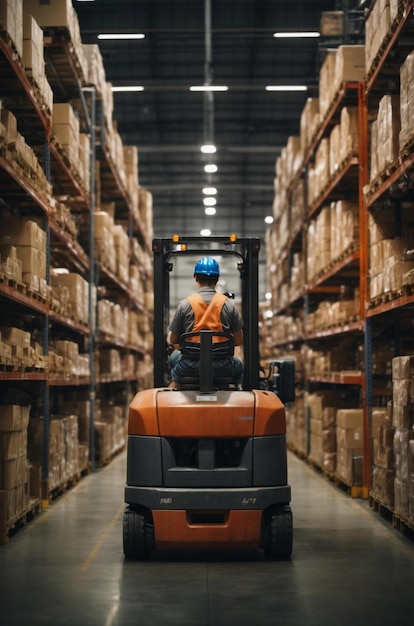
66 568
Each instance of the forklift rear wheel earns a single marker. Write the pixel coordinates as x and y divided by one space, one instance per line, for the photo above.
134 536
278 544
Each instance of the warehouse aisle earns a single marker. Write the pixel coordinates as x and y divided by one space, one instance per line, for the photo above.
66 568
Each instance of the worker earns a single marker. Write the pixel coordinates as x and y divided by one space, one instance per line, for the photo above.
206 310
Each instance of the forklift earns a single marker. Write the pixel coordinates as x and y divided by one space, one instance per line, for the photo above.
207 463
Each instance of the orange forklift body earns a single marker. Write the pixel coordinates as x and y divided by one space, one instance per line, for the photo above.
207 464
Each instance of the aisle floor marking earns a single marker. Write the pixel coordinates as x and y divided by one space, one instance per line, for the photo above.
101 539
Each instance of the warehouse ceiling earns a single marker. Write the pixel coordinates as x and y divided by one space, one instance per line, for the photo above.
214 42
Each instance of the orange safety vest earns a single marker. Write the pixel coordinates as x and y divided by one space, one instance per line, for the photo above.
207 316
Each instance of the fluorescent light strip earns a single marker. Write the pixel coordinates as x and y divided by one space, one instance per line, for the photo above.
121 36
208 149
210 168
128 88
297 35
286 88
209 88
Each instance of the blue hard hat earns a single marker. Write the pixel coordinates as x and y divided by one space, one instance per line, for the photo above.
207 267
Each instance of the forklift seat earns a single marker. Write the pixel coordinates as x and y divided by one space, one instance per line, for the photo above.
190 345
201 346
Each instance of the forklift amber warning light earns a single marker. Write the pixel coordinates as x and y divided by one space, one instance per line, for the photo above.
233 237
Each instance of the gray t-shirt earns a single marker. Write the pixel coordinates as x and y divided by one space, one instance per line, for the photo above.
183 320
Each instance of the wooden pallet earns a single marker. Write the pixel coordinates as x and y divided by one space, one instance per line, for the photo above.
20 520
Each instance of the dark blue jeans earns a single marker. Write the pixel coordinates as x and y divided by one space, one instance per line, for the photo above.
230 367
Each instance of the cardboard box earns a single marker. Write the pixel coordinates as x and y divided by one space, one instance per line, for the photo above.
13 472
13 445
332 23
23 233
50 12
349 418
11 417
7 507
403 367
349 438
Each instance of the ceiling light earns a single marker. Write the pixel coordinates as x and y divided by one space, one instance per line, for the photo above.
268 295
286 88
297 35
209 191
128 88
209 88
205 232
210 210
209 201
121 36
210 168
268 219
208 148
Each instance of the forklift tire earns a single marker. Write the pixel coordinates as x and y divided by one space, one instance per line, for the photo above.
134 535
279 534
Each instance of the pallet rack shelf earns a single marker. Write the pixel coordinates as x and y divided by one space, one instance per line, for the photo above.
64 209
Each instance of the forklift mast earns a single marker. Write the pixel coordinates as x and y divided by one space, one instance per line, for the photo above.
246 251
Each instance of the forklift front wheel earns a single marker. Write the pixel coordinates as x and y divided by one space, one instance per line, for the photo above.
279 534
134 535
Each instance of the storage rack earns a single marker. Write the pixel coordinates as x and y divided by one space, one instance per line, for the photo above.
21 305
381 320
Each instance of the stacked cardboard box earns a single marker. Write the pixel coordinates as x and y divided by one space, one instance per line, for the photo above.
343 140
332 23
349 437
146 212
319 243
33 59
16 345
344 227
60 14
66 361
71 290
407 101
403 403
296 431
11 20
326 80
383 474
66 130
309 123
84 161
63 448
388 262
14 474
135 282
297 276
80 408
377 27
323 407
385 134
122 254
23 157
132 177
110 362
96 70
345 64
10 265
104 239
29 240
